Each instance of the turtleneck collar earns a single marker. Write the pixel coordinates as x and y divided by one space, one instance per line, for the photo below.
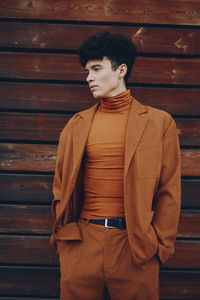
118 103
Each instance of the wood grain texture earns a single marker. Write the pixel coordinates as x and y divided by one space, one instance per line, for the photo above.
26 219
186 255
30 219
128 11
176 101
42 36
189 224
37 189
47 127
190 162
27 189
27 157
29 282
29 298
189 131
73 98
42 158
190 193
36 250
66 67
179 285
47 97
29 127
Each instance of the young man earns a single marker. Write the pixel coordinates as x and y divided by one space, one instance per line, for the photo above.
117 185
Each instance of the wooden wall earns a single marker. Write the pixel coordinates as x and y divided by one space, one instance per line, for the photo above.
42 85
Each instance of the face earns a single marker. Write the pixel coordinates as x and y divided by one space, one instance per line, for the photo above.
103 80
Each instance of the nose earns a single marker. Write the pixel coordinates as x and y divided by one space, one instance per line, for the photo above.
89 77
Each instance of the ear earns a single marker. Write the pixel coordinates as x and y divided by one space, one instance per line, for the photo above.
122 70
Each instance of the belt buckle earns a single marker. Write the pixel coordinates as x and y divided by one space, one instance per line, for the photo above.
106 224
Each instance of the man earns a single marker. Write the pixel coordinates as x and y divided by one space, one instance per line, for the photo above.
117 184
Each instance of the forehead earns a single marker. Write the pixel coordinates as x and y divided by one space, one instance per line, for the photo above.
100 62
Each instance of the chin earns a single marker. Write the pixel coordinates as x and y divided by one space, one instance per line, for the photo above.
97 95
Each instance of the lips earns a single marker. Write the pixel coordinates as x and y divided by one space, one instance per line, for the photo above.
92 87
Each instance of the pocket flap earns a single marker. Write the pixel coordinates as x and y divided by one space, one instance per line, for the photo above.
69 231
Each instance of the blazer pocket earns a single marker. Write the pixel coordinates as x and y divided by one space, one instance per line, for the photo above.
61 245
148 157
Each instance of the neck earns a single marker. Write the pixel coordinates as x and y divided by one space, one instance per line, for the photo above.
115 92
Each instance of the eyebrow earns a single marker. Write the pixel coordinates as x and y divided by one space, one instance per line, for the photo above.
94 66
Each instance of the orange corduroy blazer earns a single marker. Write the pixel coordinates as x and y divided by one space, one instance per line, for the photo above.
152 174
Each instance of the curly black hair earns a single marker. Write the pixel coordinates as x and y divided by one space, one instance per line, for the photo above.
116 47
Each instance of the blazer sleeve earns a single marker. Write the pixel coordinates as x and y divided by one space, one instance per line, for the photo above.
57 182
168 197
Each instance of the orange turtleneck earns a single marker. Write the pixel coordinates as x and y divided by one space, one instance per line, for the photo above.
104 164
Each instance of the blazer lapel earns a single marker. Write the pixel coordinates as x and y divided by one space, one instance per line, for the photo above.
80 133
136 124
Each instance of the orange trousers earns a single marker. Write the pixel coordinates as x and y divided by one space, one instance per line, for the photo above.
103 260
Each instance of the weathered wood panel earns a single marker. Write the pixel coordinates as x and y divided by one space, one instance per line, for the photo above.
166 71
187 255
179 285
189 224
44 282
190 193
189 131
176 101
128 11
37 189
70 37
29 282
26 219
47 127
25 157
28 189
49 97
46 66
41 158
36 250
190 162
29 219
29 127
73 98
17 298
